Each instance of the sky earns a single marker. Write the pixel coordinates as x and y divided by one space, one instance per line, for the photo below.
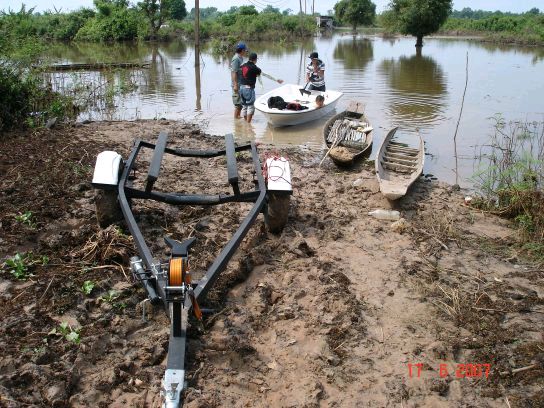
321 6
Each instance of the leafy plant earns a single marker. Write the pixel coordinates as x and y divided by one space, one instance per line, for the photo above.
110 296
87 287
18 267
66 331
26 218
19 264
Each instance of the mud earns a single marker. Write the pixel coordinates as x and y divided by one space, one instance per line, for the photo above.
336 311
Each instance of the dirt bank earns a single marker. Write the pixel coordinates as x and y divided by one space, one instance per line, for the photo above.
337 311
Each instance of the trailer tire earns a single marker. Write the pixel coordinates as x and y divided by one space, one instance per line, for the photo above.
277 212
108 210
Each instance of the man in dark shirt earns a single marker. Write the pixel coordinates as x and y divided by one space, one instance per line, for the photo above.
250 72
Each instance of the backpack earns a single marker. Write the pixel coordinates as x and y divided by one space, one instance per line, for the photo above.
276 102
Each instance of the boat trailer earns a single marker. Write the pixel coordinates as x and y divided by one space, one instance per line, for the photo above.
169 281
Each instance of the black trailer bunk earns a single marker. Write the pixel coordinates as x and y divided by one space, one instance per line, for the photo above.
169 282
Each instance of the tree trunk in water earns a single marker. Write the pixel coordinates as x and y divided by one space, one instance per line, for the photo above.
419 42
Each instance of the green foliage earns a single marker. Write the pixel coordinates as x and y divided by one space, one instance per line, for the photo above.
257 27
176 9
26 218
527 28
355 12
118 24
511 175
110 296
87 287
67 332
417 17
19 264
206 13
247 10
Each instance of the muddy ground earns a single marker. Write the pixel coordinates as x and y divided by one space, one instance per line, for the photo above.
339 310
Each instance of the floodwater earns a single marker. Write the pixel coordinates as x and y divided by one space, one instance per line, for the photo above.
399 87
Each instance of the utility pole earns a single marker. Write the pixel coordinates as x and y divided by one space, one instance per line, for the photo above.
313 7
197 56
305 4
300 14
197 33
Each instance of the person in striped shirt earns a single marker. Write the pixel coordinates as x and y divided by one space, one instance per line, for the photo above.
315 73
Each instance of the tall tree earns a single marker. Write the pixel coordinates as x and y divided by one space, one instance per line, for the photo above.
417 17
355 12
157 11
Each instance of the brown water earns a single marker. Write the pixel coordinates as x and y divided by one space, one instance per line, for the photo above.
420 93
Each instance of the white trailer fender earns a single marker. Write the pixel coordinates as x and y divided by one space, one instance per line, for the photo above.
278 174
106 169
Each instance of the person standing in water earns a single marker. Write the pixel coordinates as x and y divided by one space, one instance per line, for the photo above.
315 73
250 72
236 77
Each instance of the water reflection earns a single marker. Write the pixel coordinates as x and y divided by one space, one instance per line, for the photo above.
159 78
355 53
418 90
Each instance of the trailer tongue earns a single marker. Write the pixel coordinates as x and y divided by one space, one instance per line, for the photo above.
170 282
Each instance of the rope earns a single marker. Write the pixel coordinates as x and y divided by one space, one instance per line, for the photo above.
274 156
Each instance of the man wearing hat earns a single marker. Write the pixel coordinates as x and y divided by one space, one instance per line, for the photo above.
236 77
315 73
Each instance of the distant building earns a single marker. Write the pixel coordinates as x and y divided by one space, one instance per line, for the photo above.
324 21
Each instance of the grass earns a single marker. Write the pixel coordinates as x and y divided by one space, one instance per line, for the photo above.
510 177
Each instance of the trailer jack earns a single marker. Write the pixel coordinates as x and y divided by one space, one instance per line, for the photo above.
170 282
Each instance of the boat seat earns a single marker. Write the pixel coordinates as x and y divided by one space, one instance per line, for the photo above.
398 167
391 159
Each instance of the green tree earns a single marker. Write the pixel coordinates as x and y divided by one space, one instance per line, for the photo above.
417 17
270 9
177 10
247 10
156 13
355 12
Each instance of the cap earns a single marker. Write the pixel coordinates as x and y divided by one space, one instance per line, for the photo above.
314 55
241 46
253 56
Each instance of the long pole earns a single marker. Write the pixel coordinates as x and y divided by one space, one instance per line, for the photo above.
197 33
457 126
313 7
300 3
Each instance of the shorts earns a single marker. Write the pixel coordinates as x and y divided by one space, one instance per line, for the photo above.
236 100
248 100
312 87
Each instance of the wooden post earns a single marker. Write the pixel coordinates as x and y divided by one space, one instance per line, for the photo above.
197 33
300 3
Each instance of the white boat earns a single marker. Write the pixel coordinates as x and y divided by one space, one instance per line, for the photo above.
292 93
399 163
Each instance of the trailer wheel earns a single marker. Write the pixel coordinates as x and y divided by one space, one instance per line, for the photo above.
277 212
108 210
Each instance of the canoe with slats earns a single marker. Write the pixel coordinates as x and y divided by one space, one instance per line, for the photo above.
349 134
398 164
